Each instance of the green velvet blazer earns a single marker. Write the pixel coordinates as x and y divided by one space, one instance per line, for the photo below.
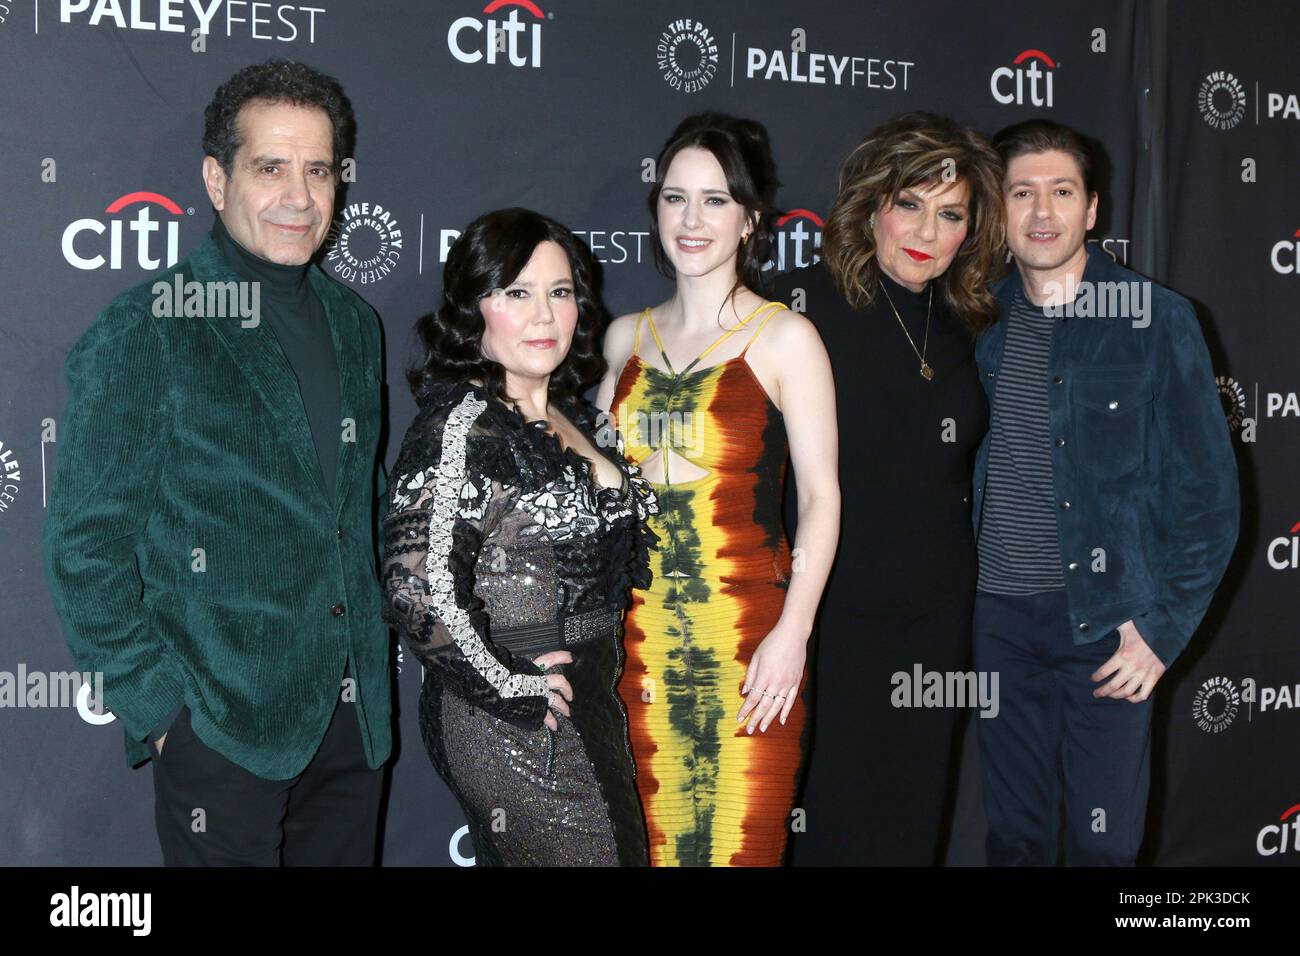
192 550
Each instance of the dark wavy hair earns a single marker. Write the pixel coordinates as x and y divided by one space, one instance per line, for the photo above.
275 81
489 256
1044 136
906 151
742 149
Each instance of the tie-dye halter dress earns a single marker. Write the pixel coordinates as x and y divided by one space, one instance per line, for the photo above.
713 795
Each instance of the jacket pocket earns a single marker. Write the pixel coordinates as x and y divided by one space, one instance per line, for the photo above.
223 649
1112 413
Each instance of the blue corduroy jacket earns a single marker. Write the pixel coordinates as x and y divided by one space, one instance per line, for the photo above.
1143 471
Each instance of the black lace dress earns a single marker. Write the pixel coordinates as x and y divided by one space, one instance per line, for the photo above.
500 546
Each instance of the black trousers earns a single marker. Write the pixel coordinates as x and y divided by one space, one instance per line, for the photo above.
881 779
1053 742
210 811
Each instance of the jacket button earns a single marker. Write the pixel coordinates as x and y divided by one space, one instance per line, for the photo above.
337 610
1065 506
1057 380
340 533
965 499
988 374
1073 565
1112 404
1060 442
1083 626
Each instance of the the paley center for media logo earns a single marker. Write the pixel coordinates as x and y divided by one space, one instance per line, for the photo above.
1223 101
687 55
1219 701
365 243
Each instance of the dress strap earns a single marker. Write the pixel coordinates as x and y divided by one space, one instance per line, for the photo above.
744 323
659 342
636 342
779 306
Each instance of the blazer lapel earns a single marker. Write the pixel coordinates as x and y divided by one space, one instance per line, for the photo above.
258 354
345 330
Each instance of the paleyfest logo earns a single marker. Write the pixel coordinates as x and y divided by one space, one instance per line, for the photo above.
1222 100
687 54
280 22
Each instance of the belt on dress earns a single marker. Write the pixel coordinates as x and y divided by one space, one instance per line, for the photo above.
568 631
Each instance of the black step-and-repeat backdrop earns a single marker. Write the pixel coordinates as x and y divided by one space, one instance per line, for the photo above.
560 105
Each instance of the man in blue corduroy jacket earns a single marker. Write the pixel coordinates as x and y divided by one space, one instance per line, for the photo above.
1105 508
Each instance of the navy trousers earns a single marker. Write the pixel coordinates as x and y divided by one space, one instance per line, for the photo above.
1053 742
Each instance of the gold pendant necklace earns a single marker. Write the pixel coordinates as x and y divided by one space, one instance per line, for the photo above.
927 372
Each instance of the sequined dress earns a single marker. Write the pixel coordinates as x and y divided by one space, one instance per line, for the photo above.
499 545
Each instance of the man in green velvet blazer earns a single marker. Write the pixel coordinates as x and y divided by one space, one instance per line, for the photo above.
211 537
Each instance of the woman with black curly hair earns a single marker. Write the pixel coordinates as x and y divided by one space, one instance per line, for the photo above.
514 534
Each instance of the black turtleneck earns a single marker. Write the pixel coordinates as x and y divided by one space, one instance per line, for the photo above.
291 308
906 444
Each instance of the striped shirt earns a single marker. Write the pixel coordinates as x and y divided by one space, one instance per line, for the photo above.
1019 551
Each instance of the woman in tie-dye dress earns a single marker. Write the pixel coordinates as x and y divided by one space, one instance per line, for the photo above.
710 391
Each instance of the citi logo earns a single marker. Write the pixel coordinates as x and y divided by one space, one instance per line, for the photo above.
1284 552
1281 837
797 240
518 40
89 254
1285 257
1028 78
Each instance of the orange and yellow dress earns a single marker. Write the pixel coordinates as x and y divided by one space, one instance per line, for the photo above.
713 795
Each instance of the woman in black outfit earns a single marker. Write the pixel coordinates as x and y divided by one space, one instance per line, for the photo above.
910 244
514 534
